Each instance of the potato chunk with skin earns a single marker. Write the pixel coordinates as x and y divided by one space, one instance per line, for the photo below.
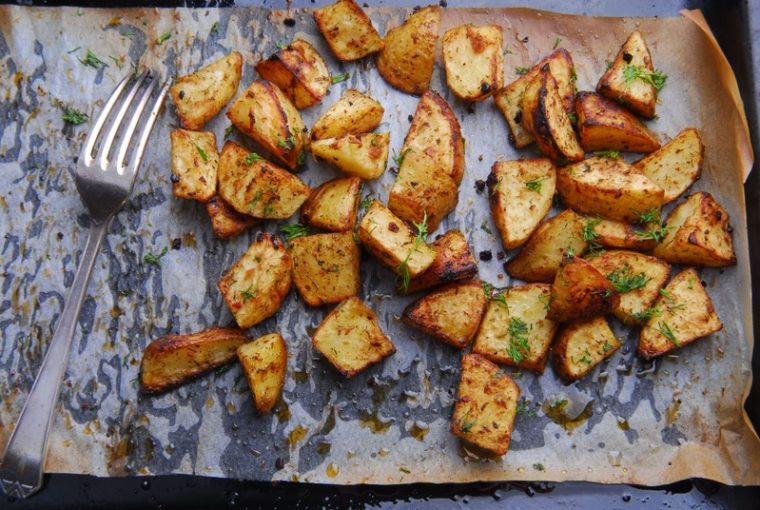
351 339
265 114
255 287
520 194
677 165
580 291
254 186
698 234
616 234
421 192
581 346
686 314
542 254
194 164
608 187
515 330
333 205
265 363
299 71
408 58
473 57
604 125
484 414
364 155
226 222
172 360
199 96
453 262
326 267
348 30
638 279
451 314
353 114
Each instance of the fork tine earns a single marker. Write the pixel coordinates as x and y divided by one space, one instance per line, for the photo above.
86 155
126 140
105 146
147 128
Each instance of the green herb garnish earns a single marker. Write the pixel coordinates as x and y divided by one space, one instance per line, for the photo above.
535 184
293 231
403 270
214 28
625 281
655 226
249 293
337 78
518 348
163 37
652 311
280 45
484 227
591 237
655 78
150 258
522 70
487 290
202 153
251 158
665 331
608 154
538 466
75 117
92 60
466 425
557 42
398 159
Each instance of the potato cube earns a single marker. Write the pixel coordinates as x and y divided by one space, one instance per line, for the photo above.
194 164
453 262
226 222
580 292
326 267
353 114
581 346
473 57
364 155
348 30
604 125
616 234
333 205
265 363
677 165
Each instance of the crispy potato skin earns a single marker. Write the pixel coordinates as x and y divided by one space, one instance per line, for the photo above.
580 292
364 155
581 346
616 234
473 57
677 165
172 360
333 205
299 71
194 164
348 30
605 125
353 114
638 95
265 363
326 267
226 222
453 262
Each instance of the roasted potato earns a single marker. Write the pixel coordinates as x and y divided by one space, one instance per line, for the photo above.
521 194
616 234
299 71
422 194
473 57
453 262
542 254
394 244
580 291
684 313
364 155
697 234
486 406
199 96
545 118
604 125
351 339
254 186
515 330
333 205
619 84
169 361
636 277
608 187
451 314
407 60
265 114
677 165
226 222
347 30
265 363
326 267
194 164
581 346
353 114
509 99
256 285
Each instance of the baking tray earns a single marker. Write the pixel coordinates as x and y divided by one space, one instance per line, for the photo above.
733 24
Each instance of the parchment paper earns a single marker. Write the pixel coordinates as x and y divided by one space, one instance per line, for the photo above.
641 423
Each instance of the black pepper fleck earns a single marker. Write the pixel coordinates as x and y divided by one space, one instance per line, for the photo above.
181 94
485 87
627 57
59 235
176 243
410 118
480 158
730 229
525 39
518 117
480 185
485 255
289 22
175 178
443 3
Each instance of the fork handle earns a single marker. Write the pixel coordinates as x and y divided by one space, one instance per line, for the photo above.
23 462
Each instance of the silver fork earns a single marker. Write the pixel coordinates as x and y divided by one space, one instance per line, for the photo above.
104 178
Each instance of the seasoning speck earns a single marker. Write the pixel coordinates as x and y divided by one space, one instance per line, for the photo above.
485 255
289 22
176 243
480 185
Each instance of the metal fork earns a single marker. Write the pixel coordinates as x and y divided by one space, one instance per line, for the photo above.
104 178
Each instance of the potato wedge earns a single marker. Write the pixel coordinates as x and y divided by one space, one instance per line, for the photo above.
637 278
515 330
353 114
521 194
639 95
698 234
394 244
351 339
265 363
199 96
616 234
226 222
326 267
407 60
194 164
172 360
545 118
473 57
451 314
422 194
580 291
347 30
265 114
364 155
608 187
299 71
255 287
677 165
254 186
333 205
486 406
605 125
581 346
542 254
685 314
453 262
